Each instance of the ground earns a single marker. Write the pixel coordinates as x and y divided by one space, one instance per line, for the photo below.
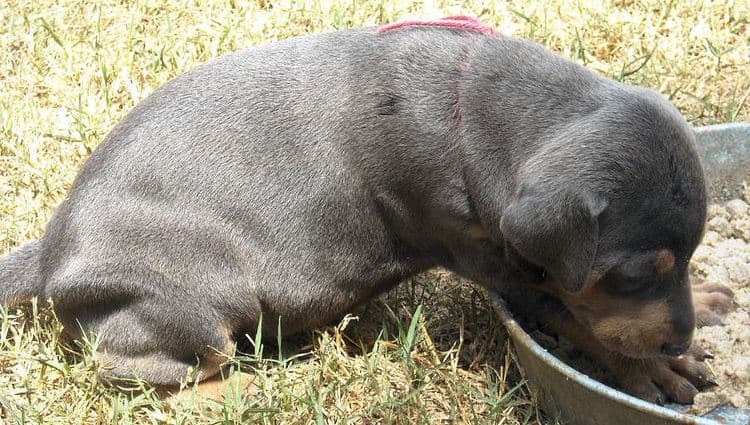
70 69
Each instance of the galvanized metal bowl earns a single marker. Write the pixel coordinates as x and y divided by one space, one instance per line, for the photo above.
577 399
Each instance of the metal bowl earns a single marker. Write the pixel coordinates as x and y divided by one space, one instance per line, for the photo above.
575 398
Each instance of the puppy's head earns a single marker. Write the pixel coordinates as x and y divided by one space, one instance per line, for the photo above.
613 212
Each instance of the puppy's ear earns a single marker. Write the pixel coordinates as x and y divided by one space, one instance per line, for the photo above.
557 231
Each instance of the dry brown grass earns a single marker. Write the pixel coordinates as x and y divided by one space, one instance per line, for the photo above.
69 70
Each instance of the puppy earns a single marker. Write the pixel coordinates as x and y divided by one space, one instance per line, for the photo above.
297 180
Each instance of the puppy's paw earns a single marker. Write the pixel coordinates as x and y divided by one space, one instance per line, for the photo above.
711 301
663 379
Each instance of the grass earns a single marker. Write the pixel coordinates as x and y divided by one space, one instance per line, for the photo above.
429 352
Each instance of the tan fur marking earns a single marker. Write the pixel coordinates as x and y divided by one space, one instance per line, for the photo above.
226 332
655 313
217 356
664 261
635 328
591 281
478 231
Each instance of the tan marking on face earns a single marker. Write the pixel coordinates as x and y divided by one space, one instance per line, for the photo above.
634 330
591 281
626 326
478 231
664 261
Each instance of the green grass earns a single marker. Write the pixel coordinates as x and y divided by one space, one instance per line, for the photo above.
431 351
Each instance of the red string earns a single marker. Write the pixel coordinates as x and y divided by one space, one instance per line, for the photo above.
462 22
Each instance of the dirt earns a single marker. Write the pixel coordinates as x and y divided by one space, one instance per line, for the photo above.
724 258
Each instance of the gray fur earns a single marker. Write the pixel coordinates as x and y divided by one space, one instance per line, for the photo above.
19 274
305 177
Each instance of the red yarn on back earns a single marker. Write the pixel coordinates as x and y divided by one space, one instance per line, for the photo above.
462 22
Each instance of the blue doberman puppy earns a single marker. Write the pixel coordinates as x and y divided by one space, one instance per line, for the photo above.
300 179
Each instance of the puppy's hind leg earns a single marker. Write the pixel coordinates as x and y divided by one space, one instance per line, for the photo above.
164 344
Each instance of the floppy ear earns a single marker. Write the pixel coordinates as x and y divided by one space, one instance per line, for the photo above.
557 231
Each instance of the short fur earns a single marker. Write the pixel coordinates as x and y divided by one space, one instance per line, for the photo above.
300 179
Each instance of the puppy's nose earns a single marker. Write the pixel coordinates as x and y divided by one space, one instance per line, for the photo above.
672 349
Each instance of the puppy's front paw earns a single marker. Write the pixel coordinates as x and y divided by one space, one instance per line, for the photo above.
711 301
664 379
